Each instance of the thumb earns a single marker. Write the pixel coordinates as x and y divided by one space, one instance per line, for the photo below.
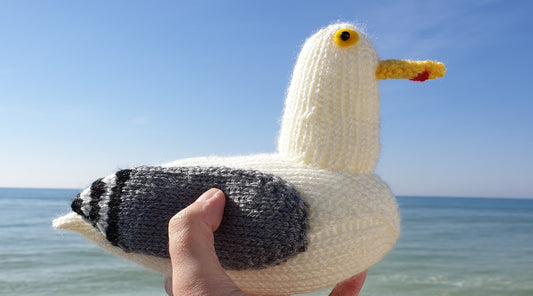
195 266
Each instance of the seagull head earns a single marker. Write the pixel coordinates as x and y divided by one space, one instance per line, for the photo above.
331 116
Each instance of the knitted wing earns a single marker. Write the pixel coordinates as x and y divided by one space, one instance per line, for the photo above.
265 220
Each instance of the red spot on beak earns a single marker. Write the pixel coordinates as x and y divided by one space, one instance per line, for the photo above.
421 77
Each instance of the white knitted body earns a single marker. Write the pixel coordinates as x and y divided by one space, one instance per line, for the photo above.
328 150
354 222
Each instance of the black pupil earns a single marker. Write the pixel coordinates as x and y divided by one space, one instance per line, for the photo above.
345 35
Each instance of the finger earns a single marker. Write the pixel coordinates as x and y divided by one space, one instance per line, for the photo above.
168 285
195 266
191 230
351 286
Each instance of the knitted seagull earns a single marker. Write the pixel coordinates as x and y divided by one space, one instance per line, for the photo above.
307 217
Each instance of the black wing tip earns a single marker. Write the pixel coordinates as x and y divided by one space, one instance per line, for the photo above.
112 232
76 205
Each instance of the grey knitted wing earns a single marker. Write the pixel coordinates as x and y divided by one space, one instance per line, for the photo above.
265 219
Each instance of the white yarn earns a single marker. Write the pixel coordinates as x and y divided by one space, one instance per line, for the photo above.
331 116
354 222
104 202
328 149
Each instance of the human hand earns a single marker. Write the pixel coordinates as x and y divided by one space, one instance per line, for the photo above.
195 266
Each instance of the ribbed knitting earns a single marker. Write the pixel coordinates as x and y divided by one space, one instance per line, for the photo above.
265 220
331 116
305 218
353 223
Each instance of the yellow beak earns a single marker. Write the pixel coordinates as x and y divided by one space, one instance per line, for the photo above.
412 70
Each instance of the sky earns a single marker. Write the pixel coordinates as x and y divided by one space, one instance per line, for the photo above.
89 87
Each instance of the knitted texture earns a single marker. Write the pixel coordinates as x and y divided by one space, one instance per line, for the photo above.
265 220
331 114
413 70
353 223
337 218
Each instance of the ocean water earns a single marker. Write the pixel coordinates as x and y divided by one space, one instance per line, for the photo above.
448 246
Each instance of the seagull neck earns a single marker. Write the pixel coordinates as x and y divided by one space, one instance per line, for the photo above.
332 131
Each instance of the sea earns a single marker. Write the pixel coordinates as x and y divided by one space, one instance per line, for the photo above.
448 246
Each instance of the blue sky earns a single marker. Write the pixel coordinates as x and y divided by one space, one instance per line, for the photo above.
88 87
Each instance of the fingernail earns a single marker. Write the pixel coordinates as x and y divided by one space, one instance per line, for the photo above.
209 194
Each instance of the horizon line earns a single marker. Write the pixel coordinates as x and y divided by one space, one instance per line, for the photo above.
396 195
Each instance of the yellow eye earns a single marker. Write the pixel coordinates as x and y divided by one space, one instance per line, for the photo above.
346 37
